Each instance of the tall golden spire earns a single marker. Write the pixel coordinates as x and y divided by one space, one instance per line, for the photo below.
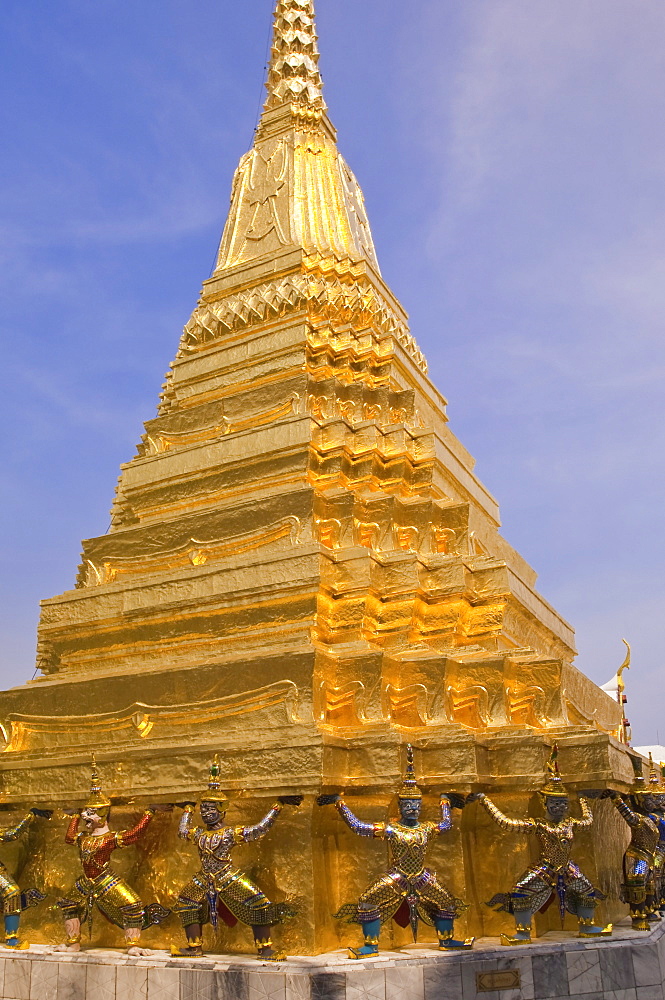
293 74
293 190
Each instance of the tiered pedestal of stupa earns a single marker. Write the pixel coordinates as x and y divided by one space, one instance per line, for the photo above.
304 573
631 966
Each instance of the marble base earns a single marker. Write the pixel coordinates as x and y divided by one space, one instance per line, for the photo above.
628 966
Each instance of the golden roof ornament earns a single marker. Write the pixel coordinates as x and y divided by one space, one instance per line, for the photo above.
616 688
293 73
554 787
215 793
409 789
97 800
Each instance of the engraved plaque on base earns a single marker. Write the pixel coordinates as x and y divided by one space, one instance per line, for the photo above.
506 979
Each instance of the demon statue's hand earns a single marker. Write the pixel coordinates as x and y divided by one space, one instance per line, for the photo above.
328 800
43 813
185 805
456 801
290 800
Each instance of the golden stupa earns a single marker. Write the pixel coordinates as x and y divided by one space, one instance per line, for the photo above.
303 573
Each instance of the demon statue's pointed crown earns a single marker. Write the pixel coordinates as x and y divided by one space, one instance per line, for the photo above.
214 792
409 788
97 800
554 787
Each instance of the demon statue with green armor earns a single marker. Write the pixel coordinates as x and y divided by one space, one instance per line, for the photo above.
14 901
219 888
639 862
554 874
407 892
99 887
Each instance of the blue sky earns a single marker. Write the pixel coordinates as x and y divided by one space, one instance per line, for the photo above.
512 155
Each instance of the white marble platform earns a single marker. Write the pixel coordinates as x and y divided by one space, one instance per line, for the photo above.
628 966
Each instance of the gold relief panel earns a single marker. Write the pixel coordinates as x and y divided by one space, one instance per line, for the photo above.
398 415
445 541
372 411
320 407
406 537
273 705
343 706
162 441
533 691
468 705
329 531
347 410
408 707
193 552
475 691
586 704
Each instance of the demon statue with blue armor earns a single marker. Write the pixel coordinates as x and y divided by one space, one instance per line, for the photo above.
554 875
219 888
408 891
640 860
12 900
99 887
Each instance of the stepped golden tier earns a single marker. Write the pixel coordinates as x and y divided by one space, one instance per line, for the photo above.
303 573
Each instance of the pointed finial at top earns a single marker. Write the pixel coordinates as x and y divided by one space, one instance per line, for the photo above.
293 74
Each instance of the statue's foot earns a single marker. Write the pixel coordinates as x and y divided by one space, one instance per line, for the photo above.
270 955
520 938
135 949
453 944
594 930
195 951
654 917
640 924
15 945
74 946
367 951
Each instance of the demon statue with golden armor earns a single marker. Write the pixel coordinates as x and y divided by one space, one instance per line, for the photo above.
219 888
99 886
554 874
660 849
14 901
639 862
407 892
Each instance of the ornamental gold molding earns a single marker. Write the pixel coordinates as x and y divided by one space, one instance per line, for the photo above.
328 303
193 552
30 733
163 441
